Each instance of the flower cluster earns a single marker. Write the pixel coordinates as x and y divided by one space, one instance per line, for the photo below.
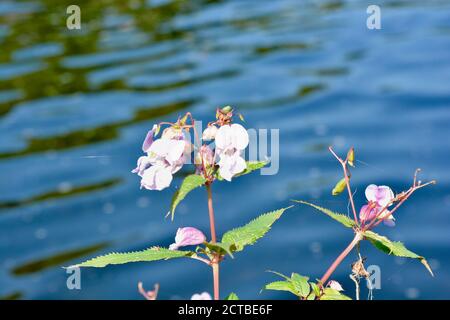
164 157
167 155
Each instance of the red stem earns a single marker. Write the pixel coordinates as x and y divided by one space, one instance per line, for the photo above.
215 260
340 258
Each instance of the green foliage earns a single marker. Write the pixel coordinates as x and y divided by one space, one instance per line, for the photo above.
189 183
342 218
281 286
332 294
339 187
151 254
220 248
301 284
395 248
232 296
238 238
252 166
296 284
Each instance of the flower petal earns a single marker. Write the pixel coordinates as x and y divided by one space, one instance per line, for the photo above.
149 139
239 136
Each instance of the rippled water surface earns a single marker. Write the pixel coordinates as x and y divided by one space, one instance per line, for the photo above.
75 105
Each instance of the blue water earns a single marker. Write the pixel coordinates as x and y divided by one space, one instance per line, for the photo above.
75 106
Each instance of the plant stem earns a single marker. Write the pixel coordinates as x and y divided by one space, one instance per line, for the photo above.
211 213
340 258
347 183
215 260
215 267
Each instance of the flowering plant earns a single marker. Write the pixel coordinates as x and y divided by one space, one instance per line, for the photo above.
376 211
221 160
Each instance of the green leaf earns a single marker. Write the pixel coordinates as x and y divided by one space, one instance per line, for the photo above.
331 294
189 183
342 218
232 296
247 235
395 248
281 286
339 187
301 284
251 166
315 288
151 254
221 248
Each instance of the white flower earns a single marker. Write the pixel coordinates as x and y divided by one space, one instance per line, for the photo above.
231 165
201 296
231 137
156 178
209 133
231 140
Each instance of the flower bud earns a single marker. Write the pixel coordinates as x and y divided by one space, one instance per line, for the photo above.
335 285
351 157
339 187
226 109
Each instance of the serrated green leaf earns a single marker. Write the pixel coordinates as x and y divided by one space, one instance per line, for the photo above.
339 187
189 183
332 294
247 235
301 284
394 247
151 254
339 217
232 296
281 286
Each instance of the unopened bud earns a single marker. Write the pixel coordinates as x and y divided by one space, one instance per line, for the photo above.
339 187
226 109
351 157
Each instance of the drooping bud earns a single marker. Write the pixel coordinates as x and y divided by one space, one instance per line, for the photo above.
339 187
187 236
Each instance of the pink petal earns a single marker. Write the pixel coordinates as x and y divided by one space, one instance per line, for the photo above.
187 236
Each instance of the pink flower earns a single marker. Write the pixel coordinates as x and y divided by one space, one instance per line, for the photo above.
335 285
201 296
381 195
378 197
187 236
231 140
